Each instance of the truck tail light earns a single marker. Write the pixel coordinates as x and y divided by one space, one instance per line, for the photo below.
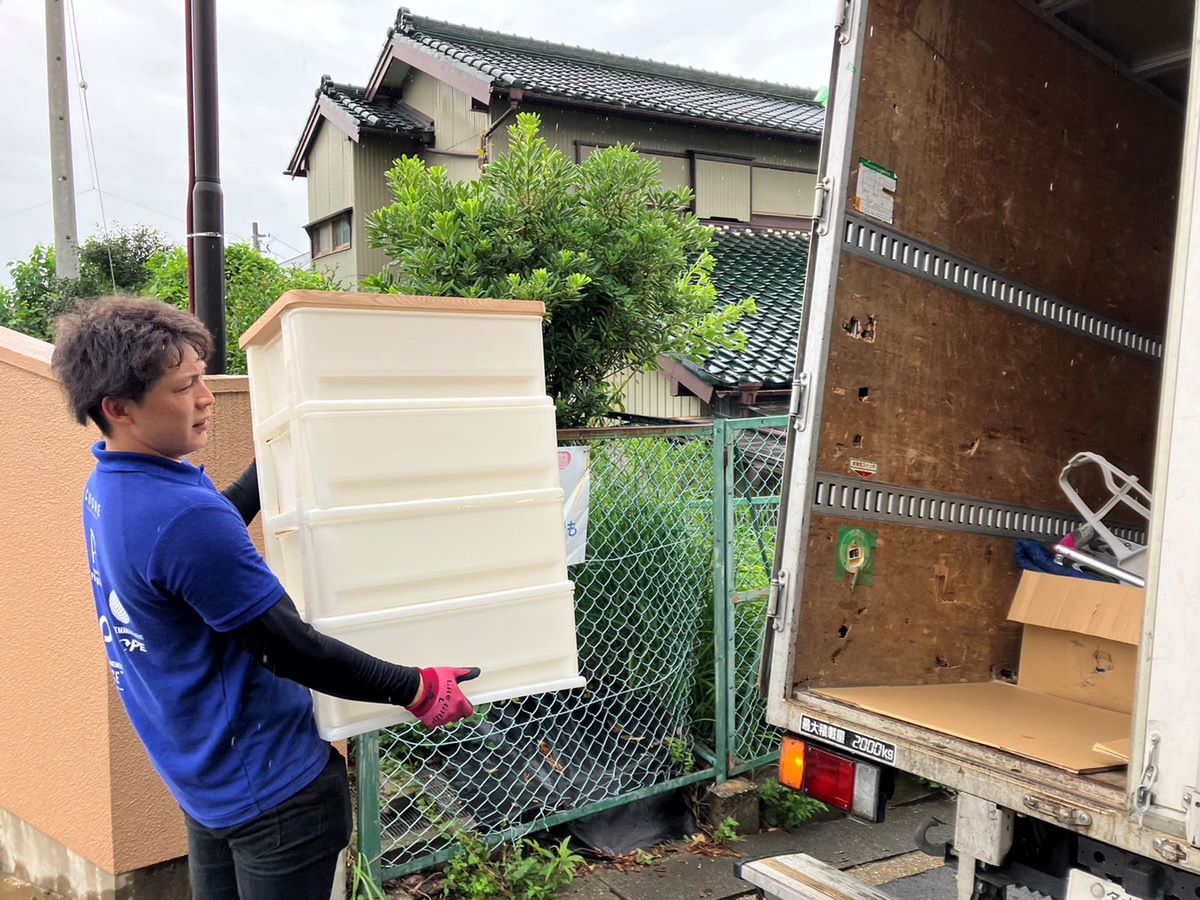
843 782
829 778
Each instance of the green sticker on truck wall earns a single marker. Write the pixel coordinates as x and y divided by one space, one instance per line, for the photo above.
856 555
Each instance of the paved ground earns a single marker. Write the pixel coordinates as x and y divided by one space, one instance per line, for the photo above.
883 855
13 889
844 843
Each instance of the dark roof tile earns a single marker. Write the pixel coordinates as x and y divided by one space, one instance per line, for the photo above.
383 113
619 81
769 264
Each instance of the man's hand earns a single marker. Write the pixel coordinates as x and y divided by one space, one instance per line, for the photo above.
441 700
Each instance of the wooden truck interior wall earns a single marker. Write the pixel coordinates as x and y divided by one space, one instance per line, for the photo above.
1022 152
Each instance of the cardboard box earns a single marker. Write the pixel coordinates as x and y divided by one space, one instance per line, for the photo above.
1080 639
1074 694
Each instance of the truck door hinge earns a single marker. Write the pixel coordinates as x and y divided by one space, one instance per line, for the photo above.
798 405
842 20
1191 809
1059 812
1170 850
1143 797
822 196
778 583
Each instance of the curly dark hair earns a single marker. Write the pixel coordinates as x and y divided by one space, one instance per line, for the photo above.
119 347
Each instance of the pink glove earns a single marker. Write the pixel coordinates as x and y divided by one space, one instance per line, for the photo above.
443 701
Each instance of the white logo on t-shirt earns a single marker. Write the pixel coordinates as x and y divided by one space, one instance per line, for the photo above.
126 636
118 609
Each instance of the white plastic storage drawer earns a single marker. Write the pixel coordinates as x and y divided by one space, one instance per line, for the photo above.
403 554
523 641
390 452
409 479
362 354
283 556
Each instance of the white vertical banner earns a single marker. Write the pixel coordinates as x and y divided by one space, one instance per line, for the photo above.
575 476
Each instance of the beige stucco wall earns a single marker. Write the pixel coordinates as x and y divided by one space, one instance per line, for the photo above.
70 764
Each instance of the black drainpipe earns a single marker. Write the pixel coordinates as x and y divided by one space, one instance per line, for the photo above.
208 240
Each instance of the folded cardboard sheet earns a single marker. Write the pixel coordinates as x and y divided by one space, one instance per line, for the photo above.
1071 706
1041 727
1118 749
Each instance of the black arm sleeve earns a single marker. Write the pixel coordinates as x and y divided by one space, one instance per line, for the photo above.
293 649
243 493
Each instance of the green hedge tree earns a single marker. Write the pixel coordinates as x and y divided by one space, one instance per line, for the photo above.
118 263
621 263
252 283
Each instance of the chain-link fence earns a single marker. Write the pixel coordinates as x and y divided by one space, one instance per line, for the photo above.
667 643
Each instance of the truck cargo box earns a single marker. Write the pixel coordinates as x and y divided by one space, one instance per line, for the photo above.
992 276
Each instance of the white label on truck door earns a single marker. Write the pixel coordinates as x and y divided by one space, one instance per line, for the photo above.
859 743
874 196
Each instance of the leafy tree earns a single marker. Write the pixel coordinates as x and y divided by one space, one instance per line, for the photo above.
140 261
252 283
620 262
123 260
117 263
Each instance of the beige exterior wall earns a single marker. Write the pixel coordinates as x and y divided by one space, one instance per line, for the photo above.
456 126
563 127
374 156
675 171
331 190
458 168
649 394
341 266
70 763
722 190
330 173
774 192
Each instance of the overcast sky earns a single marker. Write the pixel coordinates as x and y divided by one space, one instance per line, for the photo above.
271 58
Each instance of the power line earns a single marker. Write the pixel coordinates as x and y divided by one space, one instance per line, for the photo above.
91 143
159 212
17 212
285 243
163 212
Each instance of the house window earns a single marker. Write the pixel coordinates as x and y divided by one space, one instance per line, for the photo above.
330 235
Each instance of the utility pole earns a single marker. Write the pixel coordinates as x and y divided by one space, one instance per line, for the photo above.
208 202
66 244
254 236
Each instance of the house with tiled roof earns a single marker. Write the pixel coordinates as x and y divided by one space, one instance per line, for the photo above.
446 93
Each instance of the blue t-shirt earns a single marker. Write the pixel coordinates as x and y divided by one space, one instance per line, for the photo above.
173 573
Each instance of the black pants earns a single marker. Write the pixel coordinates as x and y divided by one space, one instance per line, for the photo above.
288 853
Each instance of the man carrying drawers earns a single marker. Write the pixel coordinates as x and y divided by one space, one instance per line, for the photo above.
209 654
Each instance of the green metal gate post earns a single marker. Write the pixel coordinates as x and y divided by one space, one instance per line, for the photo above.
754 498
370 826
722 568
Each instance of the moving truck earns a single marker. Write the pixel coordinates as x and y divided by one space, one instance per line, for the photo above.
1005 273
